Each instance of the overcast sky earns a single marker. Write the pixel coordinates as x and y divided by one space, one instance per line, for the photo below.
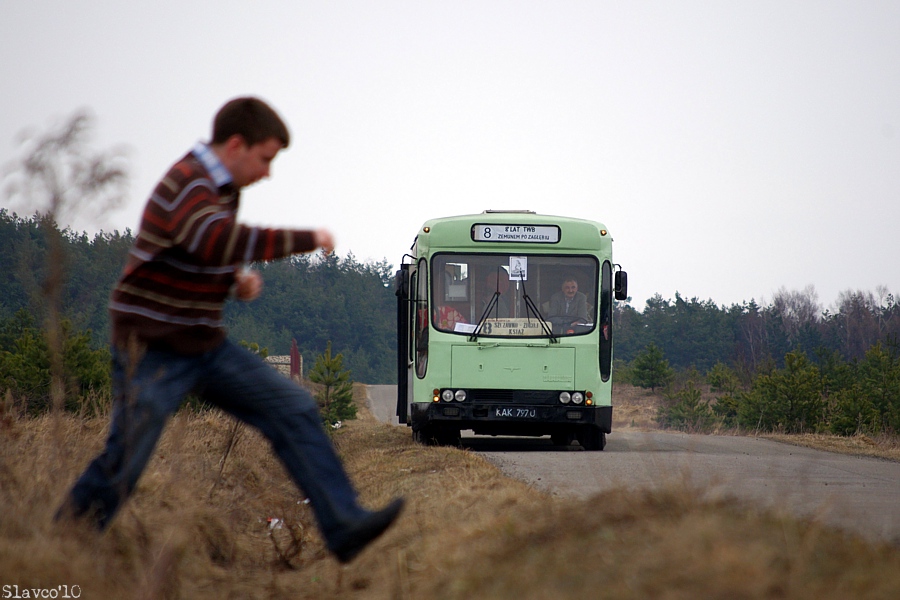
731 148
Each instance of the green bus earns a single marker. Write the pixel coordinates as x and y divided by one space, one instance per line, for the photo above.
504 327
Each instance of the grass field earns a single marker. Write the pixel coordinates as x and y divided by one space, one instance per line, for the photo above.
202 524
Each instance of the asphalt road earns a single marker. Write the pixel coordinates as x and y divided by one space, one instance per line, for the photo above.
858 494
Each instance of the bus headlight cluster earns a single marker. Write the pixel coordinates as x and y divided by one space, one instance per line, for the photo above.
451 395
574 397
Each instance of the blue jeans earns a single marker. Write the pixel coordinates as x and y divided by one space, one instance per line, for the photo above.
239 383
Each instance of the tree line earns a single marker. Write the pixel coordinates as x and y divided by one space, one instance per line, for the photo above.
789 366
314 299
351 305
751 337
819 394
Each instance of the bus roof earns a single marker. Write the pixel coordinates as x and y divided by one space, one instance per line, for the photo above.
522 229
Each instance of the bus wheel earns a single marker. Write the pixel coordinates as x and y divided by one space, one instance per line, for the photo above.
424 436
561 438
437 436
448 437
591 438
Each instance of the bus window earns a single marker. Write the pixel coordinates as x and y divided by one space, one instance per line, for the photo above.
502 295
606 292
456 280
451 294
421 318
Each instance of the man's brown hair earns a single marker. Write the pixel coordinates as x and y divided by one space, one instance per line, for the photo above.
250 118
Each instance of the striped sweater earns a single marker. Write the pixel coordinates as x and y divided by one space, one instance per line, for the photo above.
183 262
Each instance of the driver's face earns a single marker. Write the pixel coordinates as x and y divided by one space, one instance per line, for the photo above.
569 288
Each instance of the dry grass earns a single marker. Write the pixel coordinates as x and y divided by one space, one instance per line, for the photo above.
468 532
884 446
634 408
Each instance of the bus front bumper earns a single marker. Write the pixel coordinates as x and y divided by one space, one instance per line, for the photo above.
509 419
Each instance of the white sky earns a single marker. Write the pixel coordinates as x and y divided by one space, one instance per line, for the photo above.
732 148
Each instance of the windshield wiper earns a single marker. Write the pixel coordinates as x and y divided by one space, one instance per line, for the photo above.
491 305
531 308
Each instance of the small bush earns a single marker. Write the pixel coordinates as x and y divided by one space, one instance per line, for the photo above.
788 400
335 388
650 369
25 371
686 410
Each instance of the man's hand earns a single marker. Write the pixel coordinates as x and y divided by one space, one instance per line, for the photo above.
247 285
324 240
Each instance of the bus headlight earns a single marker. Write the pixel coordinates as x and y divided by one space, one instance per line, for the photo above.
565 397
460 395
577 398
447 395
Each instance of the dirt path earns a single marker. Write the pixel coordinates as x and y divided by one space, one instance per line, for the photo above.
859 494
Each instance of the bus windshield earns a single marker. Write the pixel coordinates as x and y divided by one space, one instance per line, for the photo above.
514 295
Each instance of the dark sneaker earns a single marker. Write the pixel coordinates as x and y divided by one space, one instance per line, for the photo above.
365 531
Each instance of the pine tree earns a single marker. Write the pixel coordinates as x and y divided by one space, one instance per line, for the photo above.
686 410
650 369
335 393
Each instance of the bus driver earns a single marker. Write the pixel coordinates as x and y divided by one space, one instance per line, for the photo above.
568 306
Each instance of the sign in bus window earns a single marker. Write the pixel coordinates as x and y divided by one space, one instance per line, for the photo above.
518 268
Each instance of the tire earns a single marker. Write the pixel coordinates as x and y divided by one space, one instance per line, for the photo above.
561 439
592 439
448 437
437 436
424 436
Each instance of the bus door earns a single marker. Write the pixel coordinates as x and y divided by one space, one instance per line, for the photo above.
401 290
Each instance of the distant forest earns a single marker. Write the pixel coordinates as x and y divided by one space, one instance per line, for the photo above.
310 299
352 305
750 337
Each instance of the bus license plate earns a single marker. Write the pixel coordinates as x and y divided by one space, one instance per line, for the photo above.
515 413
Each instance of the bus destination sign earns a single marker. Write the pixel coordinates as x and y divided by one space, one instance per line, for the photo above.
534 234
515 327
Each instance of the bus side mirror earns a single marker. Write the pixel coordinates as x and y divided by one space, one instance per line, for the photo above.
621 285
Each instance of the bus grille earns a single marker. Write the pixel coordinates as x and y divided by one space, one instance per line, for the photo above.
515 396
